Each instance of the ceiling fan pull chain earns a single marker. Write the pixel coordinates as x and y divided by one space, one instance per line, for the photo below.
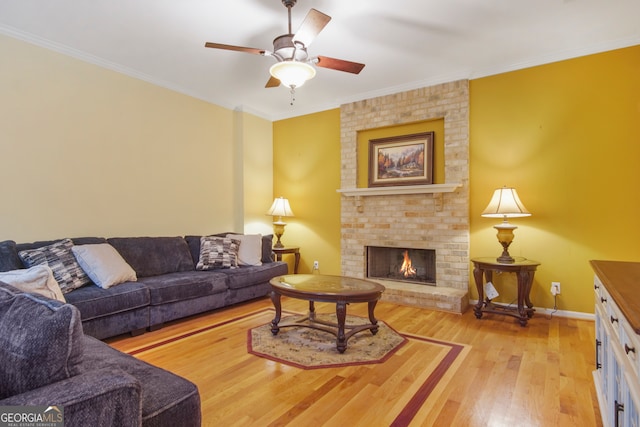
293 94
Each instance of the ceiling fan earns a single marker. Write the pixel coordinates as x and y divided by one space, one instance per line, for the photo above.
290 50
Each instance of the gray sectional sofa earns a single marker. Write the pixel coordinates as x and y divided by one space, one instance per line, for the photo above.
50 353
47 361
168 286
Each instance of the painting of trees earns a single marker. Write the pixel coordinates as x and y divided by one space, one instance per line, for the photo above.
402 160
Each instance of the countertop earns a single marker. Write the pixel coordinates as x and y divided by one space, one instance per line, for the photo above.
622 280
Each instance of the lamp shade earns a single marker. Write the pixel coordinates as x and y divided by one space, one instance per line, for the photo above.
505 203
280 208
292 74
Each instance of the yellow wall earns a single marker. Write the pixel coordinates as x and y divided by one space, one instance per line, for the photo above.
307 171
567 136
88 151
257 173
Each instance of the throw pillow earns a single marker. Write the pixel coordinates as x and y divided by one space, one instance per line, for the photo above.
104 265
41 341
250 250
218 252
59 257
38 279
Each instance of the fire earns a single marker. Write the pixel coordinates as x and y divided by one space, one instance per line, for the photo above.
406 268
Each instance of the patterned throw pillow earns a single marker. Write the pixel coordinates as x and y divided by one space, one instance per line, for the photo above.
218 252
59 257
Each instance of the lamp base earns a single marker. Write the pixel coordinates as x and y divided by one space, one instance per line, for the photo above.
278 230
505 237
505 258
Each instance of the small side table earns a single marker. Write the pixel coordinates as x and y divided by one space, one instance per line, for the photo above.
524 268
289 250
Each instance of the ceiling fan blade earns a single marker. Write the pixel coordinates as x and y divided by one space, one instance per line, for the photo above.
236 48
339 64
313 23
273 82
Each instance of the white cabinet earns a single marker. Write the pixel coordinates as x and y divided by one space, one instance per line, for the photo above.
617 371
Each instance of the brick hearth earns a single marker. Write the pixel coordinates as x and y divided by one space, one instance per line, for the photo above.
437 221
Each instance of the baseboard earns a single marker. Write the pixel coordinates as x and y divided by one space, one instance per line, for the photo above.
551 312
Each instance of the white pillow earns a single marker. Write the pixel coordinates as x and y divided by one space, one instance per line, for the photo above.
250 251
38 279
104 265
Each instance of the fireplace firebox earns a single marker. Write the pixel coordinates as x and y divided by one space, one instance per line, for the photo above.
402 264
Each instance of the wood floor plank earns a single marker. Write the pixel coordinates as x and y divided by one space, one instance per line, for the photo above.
538 375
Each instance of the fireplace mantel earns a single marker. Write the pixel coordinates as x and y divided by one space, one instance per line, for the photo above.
405 189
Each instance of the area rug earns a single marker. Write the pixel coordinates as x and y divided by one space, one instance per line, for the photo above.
407 386
308 348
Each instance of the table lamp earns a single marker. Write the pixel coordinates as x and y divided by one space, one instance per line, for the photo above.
505 204
279 208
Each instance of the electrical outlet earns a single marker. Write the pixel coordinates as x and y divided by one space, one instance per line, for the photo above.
555 288
316 265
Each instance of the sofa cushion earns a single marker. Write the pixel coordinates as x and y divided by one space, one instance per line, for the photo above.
183 286
9 259
267 248
218 252
252 275
75 240
104 265
194 247
64 265
152 256
40 343
94 302
167 399
250 249
38 279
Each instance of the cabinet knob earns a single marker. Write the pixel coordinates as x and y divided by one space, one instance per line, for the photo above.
628 349
596 287
614 319
603 299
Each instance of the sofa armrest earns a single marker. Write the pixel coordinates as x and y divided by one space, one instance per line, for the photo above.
100 397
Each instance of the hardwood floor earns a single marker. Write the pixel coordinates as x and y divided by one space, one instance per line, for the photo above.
539 375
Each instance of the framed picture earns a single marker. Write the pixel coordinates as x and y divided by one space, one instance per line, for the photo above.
401 160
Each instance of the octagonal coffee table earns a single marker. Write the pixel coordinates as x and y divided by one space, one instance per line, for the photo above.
322 288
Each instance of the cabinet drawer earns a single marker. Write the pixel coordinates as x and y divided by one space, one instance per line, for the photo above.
614 317
630 344
598 288
610 311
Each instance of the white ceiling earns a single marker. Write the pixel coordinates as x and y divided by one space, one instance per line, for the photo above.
405 44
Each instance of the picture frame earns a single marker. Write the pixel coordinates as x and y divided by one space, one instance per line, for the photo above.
401 160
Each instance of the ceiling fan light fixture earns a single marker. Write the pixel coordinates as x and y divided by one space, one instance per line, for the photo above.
292 74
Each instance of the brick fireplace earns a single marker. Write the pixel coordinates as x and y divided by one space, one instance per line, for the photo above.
430 217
